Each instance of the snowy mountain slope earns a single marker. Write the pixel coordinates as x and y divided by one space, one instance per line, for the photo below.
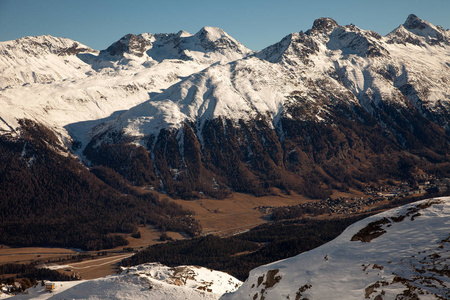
69 87
148 281
328 61
417 31
337 97
399 254
67 103
41 59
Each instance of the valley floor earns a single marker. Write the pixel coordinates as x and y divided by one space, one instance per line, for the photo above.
227 217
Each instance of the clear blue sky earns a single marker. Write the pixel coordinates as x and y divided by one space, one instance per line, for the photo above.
256 24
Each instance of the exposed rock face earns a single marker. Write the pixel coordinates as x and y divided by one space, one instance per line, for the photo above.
420 32
324 25
414 22
130 43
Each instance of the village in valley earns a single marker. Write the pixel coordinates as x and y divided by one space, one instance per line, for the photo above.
374 197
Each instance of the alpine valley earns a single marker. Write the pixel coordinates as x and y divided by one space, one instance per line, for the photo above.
90 140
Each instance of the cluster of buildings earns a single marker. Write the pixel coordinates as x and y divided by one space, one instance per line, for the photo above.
374 197
422 184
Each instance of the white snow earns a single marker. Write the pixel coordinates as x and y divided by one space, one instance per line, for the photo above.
147 281
354 65
410 253
71 93
194 77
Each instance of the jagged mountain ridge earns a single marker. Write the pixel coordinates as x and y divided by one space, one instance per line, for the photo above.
70 88
40 59
334 97
327 106
207 44
372 67
402 253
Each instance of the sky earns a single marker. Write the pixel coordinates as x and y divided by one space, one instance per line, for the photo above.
256 24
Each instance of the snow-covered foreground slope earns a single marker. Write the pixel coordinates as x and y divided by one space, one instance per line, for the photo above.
148 281
403 253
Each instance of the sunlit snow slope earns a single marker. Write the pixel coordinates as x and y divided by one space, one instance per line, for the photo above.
148 281
403 253
326 66
70 88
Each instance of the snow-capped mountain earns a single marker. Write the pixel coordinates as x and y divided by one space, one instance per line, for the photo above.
148 281
70 88
415 27
328 59
41 59
403 253
209 45
322 96
332 103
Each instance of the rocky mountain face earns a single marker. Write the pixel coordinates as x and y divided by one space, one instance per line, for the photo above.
332 107
399 254
200 114
209 44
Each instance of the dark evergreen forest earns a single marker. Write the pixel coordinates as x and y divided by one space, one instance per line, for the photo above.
47 198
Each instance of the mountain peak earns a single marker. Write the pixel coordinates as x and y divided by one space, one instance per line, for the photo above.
183 33
324 25
419 32
414 22
211 33
425 29
130 43
40 46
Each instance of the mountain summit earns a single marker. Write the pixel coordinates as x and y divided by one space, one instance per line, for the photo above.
417 31
414 22
210 44
324 25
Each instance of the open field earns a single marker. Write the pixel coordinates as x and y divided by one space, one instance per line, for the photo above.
29 254
241 211
236 213
92 268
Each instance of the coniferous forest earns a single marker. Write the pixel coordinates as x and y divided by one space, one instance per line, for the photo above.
49 199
